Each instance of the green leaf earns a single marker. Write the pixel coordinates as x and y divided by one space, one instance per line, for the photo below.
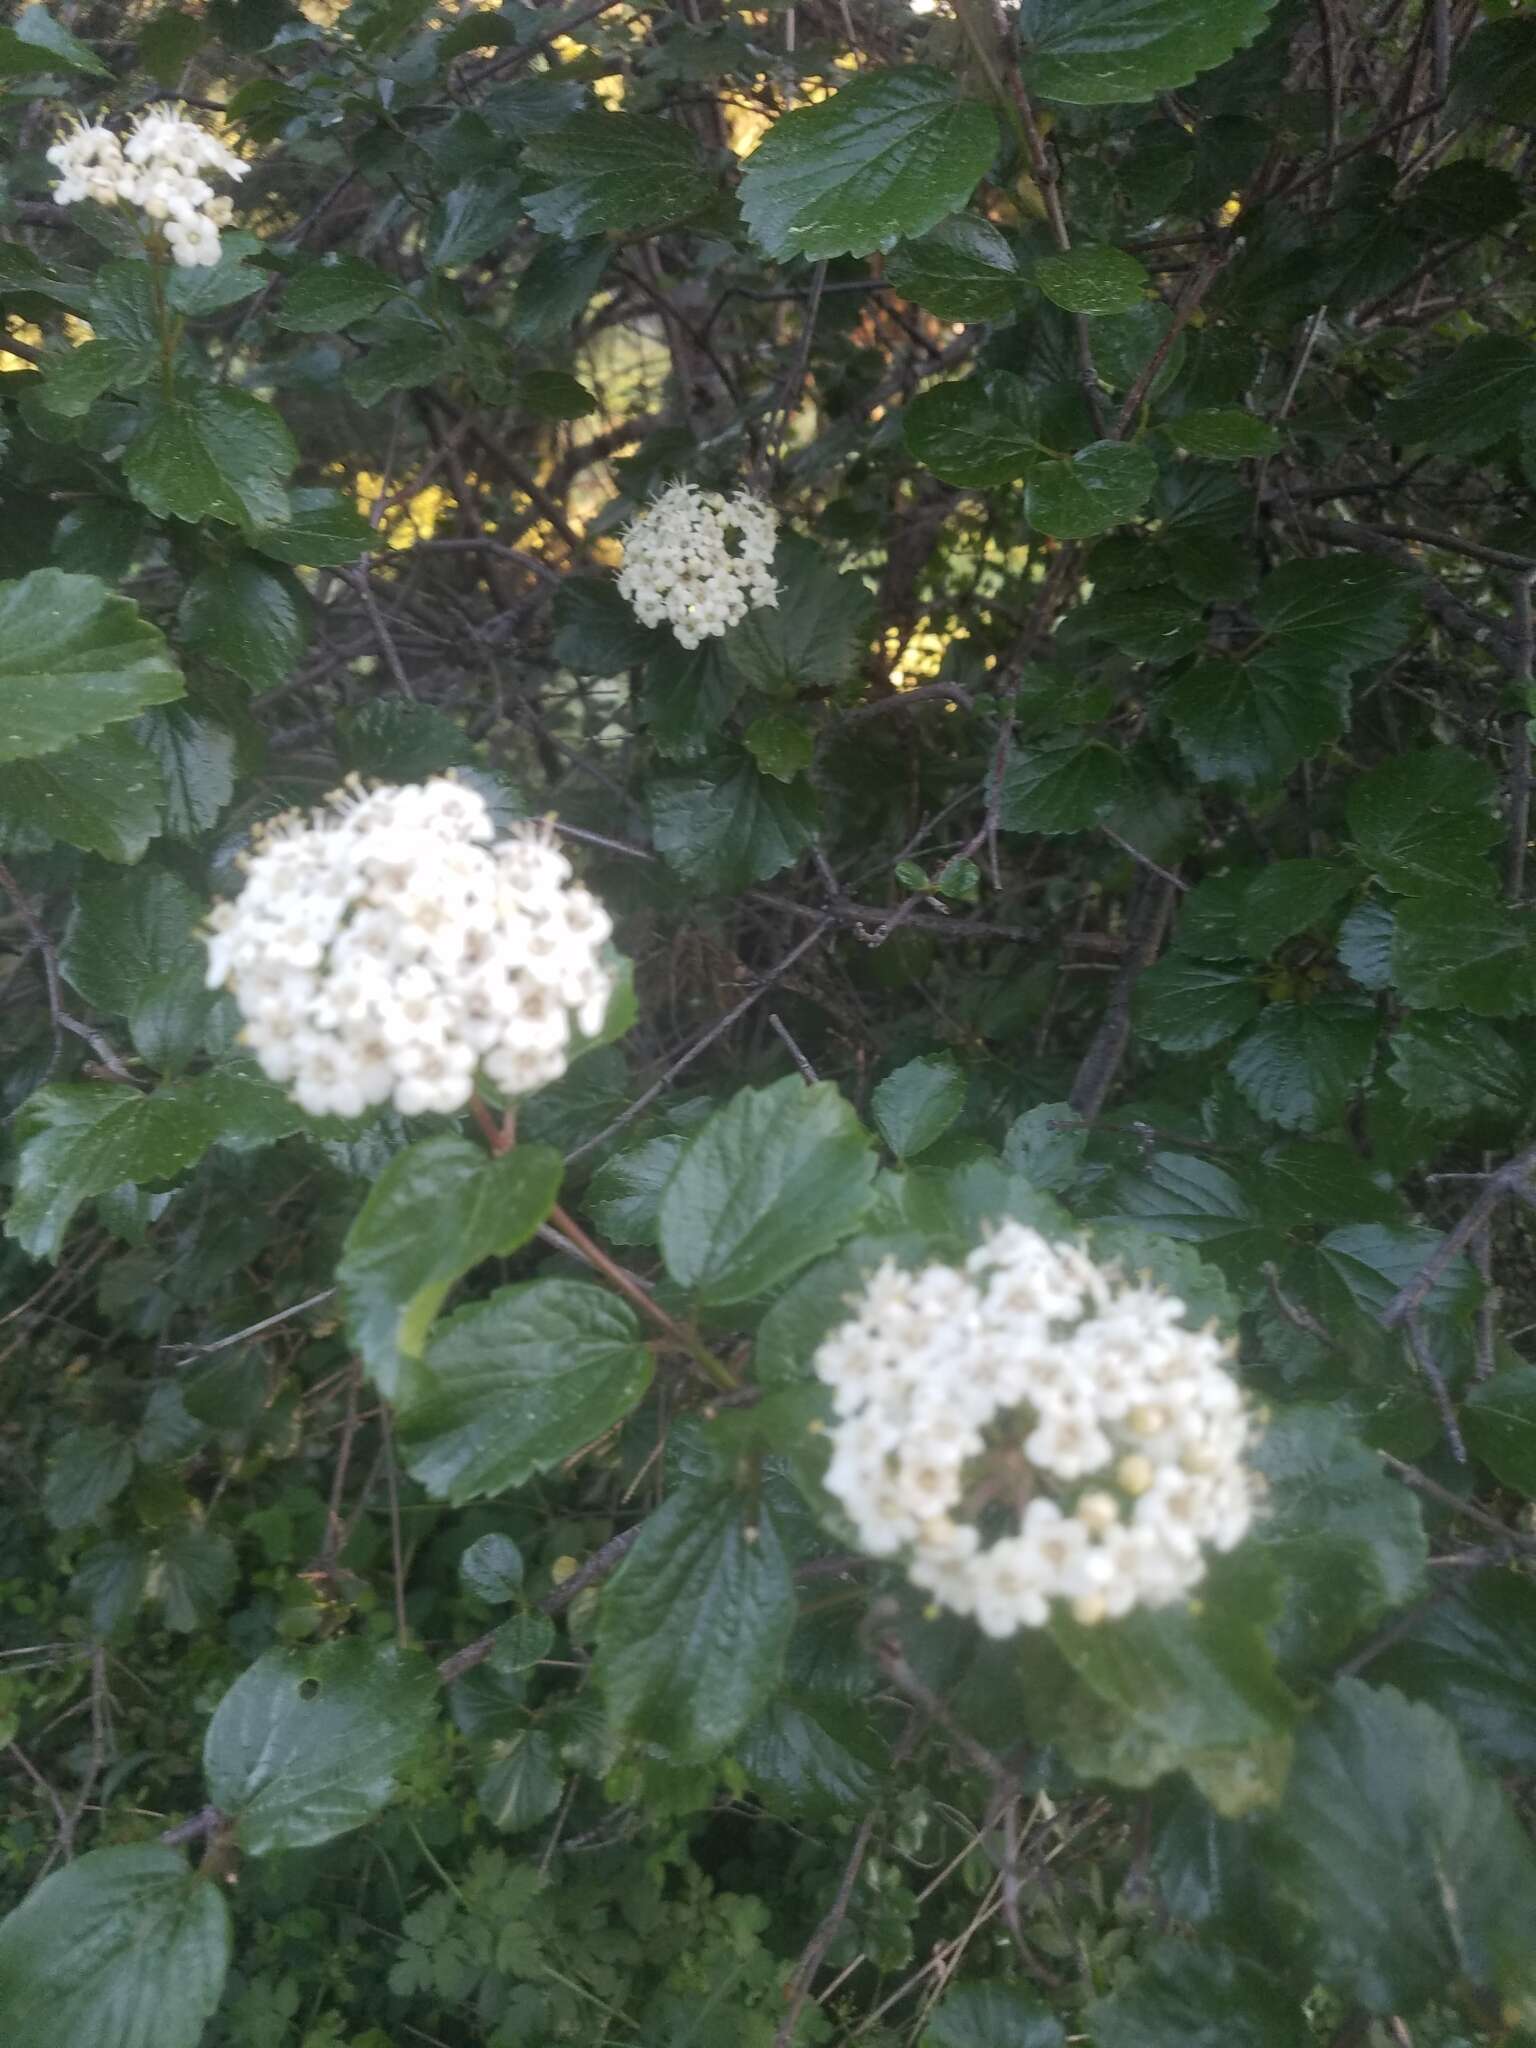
474 218
814 638
1463 198
252 619
1188 1005
693 1628
1181 1689
99 538
196 760
1045 1145
781 746
492 1569
991 2016
1499 1423
1348 1541
616 171
111 1581
624 1194
523 1783
1365 945
517 1382
74 1142
1186 1995
1451 1068
811 1759
323 529
131 948
123 1948
1058 785
37 44
521 1643
1097 488
1198 1202
1472 1656
1301 1062
167 42
976 431
331 294
209 288
1336 614
103 794
596 633
1085 279
73 381
1494 74
725 826
1250 723
773 1180
554 395
1095 52
438 1209
963 269
309 1743
87 1471
1452 949
916 1105
212 453
1427 820
1288 897
191 1574
1410 1864
557 286
1467 401
73 659
1222 434
888 156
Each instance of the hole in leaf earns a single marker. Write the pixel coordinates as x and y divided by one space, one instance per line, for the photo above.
309 1688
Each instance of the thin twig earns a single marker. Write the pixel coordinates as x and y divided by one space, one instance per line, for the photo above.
781 1031
605 1559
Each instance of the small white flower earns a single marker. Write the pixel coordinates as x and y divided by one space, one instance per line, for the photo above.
383 948
1038 1383
161 170
699 562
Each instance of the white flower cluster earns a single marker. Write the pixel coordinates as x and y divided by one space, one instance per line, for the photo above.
384 949
160 170
700 562
1042 1402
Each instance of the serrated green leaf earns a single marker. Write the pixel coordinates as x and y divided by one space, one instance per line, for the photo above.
615 170
811 1759
331 294
725 826
131 947
781 746
1410 1865
890 155
1045 1145
88 1470
196 759
693 1628
1085 279
438 1208
473 218
1465 403
1250 723
249 617
772 1180
126 1947
1347 1539
916 1105
517 1382
1301 1062
1426 821
104 794
991 2016
1100 486
1499 1423
554 395
1450 1068
1453 949
596 633
1197 1995
1288 897
625 1192
1493 77
492 1569
976 431
1222 434
37 44
1365 945
1115 50
556 287
523 1783
212 453
962 269
308 1743
814 638
323 529
1472 1656
73 659
1059 785
192 1572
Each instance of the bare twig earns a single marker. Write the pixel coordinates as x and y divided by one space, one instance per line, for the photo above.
607 1558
